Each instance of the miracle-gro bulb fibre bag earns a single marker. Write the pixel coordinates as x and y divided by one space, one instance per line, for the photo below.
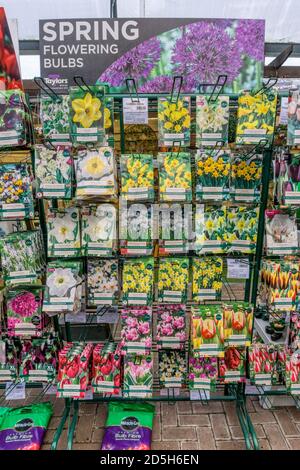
24 428
128 426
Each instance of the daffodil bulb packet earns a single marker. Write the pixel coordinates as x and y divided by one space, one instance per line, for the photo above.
87 114
173 279
175 178
281 233
203 373
137 177
245 178
22 258
63 287
171 326
212 175
210 229
241 229
96 173
102 281
63 233
256 117
99 230
232 367
136 334
293 125
174 121
172 369
207 278
138 279
207 331
138 376
16 198
53 173
136 230
238 323
174 221
212 118
54 114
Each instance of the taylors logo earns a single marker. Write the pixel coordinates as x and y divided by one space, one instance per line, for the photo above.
55 79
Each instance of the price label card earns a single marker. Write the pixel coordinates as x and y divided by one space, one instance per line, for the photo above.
16 392
135 111
238 269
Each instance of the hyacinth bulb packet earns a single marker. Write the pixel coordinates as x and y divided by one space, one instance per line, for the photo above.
171 326
136 334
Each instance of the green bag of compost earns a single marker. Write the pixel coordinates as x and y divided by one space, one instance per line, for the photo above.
128 426
24 428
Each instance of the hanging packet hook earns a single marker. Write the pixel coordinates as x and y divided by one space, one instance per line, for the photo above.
179 79
40 82
132 89
220 83
76 79
267 86
257 148
217 148
48 142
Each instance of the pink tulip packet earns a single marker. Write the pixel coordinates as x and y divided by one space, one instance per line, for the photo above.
262 363
136 334
171 326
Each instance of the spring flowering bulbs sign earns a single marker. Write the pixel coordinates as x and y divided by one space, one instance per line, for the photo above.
64 233
53 172
207 331
212 175
99 227
174 121
175 180
54 114
138 277
246 175
106 368
102 281
95 173
137 177
207 278
256 117
87 114
173 278
281 233
172 369
136 334
171 324
138 376
212 117
24 312
203 373
16 199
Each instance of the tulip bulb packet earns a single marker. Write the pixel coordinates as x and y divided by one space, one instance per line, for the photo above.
63 229
210 228
175 180
136 334
207 331
232 366
175 222
256 117
238 323
14 128
174 121
212 175
138 376
138 278
16 198
262 364
9 358
102 281
87 114
287 177
74 370
106 368
171 326
212 119
136 231
24 312
203 373
137 177
128 426
63 287
172 369
294 331
96 173
292 373
173 279
293 126
39 359
281 233
245 181
207 278
24 428
53 172
99 230
54 114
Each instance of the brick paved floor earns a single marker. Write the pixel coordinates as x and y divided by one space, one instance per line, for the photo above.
190 426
